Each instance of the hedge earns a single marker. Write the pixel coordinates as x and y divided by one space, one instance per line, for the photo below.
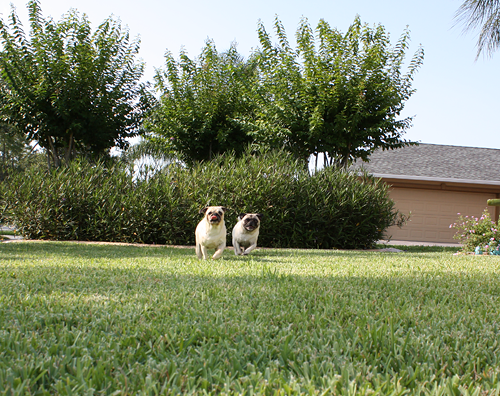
328 209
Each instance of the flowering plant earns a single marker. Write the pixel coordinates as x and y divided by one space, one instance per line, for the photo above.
480 235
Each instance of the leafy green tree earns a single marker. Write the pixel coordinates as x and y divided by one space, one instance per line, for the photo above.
339 94
203 103
71 90
486 15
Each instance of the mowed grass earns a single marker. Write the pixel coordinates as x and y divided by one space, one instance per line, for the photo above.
104 319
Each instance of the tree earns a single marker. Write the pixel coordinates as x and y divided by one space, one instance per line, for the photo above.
340 95
486 14
71 90
203 103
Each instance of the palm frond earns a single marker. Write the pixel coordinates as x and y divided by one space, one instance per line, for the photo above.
483 14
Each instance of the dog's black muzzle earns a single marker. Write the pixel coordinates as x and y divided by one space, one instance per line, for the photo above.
250 224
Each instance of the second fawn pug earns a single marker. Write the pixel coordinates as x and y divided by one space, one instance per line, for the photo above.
246 233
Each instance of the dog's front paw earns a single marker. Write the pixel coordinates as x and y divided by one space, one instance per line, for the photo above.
218 254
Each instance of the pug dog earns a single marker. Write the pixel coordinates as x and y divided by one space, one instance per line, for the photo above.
246 232
211 232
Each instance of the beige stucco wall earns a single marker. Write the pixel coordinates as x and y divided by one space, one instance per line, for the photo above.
432 212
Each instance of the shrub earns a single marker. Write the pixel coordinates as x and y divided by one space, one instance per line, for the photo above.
77 202
330 209
474 232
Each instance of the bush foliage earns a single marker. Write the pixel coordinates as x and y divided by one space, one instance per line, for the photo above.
478 234
330 209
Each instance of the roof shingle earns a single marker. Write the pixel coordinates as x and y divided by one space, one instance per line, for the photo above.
437 161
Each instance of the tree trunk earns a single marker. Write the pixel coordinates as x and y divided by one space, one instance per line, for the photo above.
69 150
54 153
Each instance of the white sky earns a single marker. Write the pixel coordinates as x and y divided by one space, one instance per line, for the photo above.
457 97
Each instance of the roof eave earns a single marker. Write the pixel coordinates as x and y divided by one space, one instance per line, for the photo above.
436 179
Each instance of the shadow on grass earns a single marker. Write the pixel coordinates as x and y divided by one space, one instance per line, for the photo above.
422 249
96 250
253 275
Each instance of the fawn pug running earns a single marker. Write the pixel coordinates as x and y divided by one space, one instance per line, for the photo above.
246 233
211 232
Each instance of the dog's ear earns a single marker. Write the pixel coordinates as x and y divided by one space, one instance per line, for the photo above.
223 209
241 215
260 216
203 210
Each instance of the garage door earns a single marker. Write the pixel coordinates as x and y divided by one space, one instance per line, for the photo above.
432 212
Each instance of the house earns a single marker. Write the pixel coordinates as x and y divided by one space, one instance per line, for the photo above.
436 183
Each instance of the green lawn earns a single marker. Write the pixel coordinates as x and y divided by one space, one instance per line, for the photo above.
102 319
